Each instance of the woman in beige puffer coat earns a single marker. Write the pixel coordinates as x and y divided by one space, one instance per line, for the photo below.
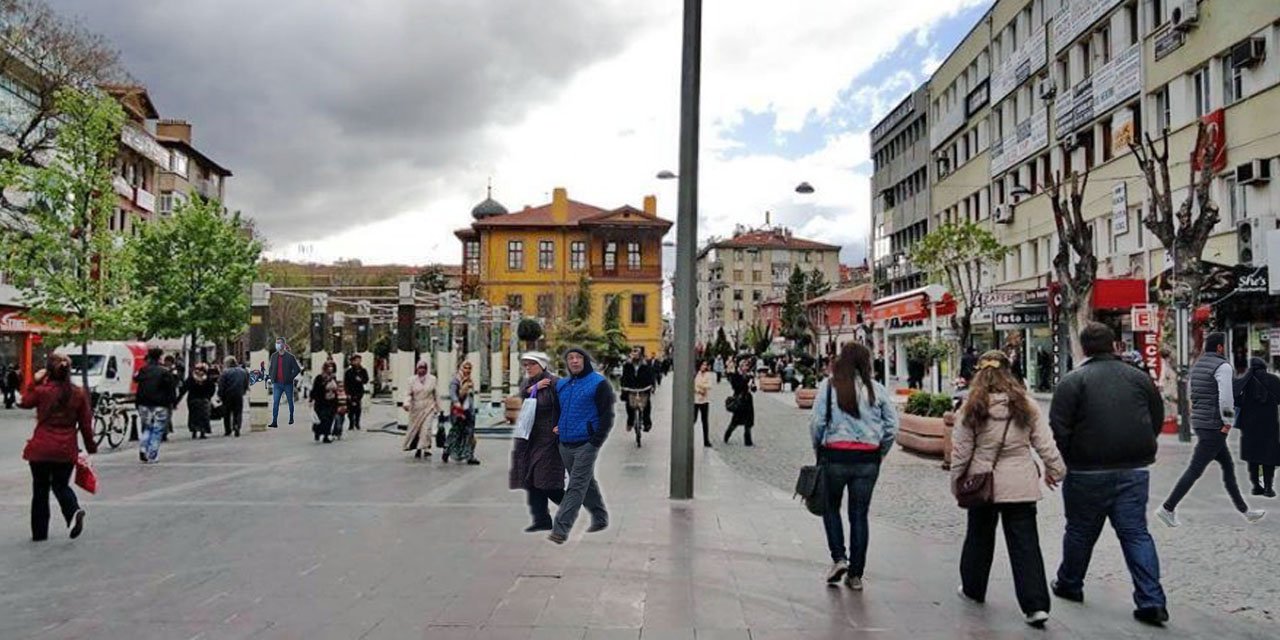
998 427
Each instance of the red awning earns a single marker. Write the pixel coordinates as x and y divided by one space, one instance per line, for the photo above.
910 307
1118 295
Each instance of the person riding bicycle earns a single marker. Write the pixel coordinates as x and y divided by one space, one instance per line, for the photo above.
637 385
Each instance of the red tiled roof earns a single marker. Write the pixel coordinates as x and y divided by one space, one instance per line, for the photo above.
626 215
860 293
772 240
541 216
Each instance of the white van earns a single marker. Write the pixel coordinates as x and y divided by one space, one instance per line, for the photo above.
111 365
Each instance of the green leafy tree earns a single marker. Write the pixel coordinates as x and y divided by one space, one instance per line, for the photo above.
530 331
194 269
576 330
759 338
795 322
816 285
616 348
73 268
433 279
954 255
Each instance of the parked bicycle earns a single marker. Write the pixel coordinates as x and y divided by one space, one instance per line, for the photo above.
110 421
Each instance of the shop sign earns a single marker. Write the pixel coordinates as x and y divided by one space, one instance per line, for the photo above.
1108 87
1029 58
1254 281
1274 340
1149 346
15 322
1144 317
1020 318
977 99
1120 208
1077 16
1168 41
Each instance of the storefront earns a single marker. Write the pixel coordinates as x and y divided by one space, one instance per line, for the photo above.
900 318
21 342
1237 301
1017 322
1113 303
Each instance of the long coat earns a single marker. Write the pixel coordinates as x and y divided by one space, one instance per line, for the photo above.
745 415
536 463
420 401
1258 416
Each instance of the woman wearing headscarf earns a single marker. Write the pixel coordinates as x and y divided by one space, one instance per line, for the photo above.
1258 419
324 400
536 465
62 409
199 390
462 414
420 402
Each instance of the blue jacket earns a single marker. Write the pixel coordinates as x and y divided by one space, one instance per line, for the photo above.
586 406
877 424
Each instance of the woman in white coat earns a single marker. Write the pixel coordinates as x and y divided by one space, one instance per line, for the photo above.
424 410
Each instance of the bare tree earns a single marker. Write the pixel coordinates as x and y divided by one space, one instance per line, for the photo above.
1075 265
43 52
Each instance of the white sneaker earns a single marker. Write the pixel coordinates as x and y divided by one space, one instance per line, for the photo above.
1169 518
1254 516
1037 618
837 571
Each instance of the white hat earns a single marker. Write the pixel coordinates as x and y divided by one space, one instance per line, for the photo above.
539 357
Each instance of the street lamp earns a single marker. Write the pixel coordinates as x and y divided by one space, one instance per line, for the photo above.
805 188
667 175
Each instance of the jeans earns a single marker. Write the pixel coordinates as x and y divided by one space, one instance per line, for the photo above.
1211 446
704 411
278 388
232 414
47 476
860 479
1089 500
582 490
538 509
152 422
1023 542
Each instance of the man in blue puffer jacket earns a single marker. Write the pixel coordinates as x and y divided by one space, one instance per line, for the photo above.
586 416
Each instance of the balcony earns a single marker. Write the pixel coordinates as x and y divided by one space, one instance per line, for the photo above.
208 189
622 272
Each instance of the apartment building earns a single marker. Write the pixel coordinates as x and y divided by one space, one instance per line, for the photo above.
900 193
189 171
736 276
140 161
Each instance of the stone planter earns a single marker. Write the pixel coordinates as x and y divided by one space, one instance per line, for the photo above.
511 408
770 384
948 425
804 398
922 435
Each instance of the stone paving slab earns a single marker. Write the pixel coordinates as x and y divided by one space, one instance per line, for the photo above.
273 536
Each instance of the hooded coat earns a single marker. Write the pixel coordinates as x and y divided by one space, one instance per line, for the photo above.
1258 414
536 462
586 405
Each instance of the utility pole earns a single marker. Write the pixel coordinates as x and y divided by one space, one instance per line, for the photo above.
686 293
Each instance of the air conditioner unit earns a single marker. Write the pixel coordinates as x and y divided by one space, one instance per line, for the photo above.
1251 238
1002 214
1248 53
1186 15
1048 89
1256 171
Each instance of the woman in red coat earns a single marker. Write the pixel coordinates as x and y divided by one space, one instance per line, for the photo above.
61 409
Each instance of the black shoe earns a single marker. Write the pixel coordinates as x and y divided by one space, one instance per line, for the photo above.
1155 616
237 432
290 419
473 462
596 528
1259 491
39 538
203 436
706 443
538 526
226 434
1269 493
142 456
556 538
317 437
417 455
77 524
1073 596
193 435
327 440
726 437
273 426
445 457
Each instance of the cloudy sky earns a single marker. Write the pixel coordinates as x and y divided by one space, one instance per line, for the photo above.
369 129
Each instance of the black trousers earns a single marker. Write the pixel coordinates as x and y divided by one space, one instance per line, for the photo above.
9 398
46 476
353 412
1211 446
1264 472
1023 542
538 503
704 411
232 414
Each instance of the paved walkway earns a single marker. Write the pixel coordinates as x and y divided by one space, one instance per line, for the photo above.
272 536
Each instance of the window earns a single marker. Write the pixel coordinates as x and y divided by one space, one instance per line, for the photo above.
515 302
472 257
546 305
757 295
515 255
737 275
577 255
1232 83
610 256
1157 14
633 256
755 255
755 276
1200 91
546 257
178 163
164 204
1104 44
639 309
1236 194
737 295
1106 140
1163 120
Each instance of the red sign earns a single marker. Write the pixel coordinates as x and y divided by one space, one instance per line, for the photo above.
1149 345
1213 145
1144 317
1118 295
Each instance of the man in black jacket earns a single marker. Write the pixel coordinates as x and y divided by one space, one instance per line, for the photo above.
638 375
1105 417
353 382
156 398
233 384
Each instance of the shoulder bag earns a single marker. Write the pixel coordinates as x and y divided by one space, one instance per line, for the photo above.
978 489
811 486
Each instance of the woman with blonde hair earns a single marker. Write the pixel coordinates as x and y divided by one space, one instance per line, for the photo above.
997 429
420 402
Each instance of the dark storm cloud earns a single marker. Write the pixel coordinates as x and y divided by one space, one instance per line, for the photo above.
333 113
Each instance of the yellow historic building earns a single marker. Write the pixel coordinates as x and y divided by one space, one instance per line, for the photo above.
532 260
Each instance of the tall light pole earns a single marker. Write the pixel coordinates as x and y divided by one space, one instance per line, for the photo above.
686 293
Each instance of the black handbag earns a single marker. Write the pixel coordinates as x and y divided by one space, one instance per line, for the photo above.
731 404
440 437
811 485
978 490
216 411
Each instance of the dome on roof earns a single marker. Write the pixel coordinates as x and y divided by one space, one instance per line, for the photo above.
489 208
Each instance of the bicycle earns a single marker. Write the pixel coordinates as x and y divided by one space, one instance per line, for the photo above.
110 422
637 410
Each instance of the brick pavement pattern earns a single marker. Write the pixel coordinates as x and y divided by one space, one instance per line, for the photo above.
273 536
